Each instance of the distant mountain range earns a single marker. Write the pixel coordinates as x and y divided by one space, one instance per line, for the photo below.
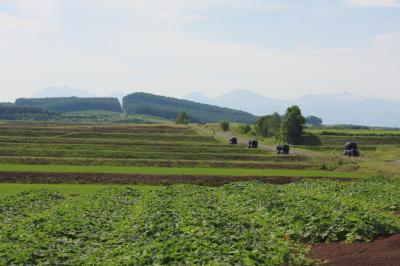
65 91
62 91
340 108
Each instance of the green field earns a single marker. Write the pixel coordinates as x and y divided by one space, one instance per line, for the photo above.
172 171
241 223
139 149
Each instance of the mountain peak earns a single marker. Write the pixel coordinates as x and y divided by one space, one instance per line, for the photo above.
62 91
197 97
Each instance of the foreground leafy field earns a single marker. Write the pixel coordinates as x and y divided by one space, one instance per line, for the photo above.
12 189
240 223
70 189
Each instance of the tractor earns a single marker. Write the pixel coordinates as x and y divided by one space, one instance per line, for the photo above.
351 149
253 144
233 141
282 149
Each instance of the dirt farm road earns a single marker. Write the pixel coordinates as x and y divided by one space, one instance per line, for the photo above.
245 141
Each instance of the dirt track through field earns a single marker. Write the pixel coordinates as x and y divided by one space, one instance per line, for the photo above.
381 252
244 141
102 178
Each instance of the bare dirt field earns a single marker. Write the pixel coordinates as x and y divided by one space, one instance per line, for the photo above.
382 252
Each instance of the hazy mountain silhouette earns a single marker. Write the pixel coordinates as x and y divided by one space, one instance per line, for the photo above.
62 91
339 108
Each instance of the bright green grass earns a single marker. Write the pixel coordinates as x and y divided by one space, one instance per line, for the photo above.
355 131
12 189
173 171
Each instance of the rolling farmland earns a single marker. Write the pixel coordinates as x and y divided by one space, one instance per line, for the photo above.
149 150
85 194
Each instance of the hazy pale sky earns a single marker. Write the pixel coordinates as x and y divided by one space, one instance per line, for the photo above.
281 48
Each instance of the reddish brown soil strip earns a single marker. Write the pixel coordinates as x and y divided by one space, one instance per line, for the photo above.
382 252
101 178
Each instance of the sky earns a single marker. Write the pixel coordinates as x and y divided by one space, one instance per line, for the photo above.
278 48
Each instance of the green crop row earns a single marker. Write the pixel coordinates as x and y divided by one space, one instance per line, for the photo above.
362 140
269 163
116 154
237 224
114 142
227 149
101 129
171 171
126 136
355 132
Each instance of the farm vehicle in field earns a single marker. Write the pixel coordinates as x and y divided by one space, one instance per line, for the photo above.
233 141
282 149
253 144
351 149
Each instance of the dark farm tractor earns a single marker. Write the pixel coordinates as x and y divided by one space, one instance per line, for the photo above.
253 144
282 149
351 149
233 141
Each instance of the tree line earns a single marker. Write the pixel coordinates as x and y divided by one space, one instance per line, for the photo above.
169 108
11 111
73 104
288 128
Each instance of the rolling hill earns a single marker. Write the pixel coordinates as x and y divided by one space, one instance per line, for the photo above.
140 103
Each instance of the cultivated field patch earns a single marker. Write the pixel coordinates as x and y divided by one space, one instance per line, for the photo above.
241 223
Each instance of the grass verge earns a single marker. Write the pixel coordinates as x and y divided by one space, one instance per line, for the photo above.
174 171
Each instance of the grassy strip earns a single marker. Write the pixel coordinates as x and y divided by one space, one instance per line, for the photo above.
116 141
112 154
173 171
135 148
270 162
361 140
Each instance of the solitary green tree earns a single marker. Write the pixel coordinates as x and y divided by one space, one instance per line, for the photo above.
182 119
293 125
224 125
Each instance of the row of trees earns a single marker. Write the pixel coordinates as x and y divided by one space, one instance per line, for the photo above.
288 128
140 103
10 111
73 104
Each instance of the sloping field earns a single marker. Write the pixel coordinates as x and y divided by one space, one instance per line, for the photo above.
155 150
237 224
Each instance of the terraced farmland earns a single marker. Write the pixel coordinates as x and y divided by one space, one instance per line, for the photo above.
30 150
70 211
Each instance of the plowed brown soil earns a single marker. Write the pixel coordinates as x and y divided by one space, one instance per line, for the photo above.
381 252
90 178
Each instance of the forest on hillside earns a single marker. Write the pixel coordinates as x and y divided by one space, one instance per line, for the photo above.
73 104
169 108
